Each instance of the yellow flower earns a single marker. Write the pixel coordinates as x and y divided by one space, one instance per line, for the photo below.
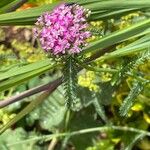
137 107
147 118
87 80
115 140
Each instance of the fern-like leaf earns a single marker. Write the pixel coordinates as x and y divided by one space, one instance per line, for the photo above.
135 140
130 99
51 113
130 66
100 109
141 59
119 76
70 81
96 31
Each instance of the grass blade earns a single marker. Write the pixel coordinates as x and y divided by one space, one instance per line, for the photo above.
117 36
12 6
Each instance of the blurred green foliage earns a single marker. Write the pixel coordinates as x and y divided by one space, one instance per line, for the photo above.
52 117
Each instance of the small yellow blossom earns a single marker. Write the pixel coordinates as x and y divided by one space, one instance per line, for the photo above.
147 118
115 140
87 80
137 107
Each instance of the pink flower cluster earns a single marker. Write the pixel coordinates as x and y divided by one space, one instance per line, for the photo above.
63 31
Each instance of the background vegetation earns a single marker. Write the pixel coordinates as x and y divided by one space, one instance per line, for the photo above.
113 90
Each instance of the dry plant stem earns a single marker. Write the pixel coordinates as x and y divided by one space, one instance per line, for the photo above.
30 92
52 144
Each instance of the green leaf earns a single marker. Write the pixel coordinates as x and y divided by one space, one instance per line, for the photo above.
134 140
18 70
108 14
13 136
118 77
140 40
130 99
105 96
83 120
98 100
6 2
141 59
86 96
28 17
130 65
100 109
70 81
126 51
12 5
17 80
38 100
117 4
51 113
117 36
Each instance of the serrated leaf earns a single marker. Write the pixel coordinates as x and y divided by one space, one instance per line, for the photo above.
130 99
89 98
106 95
38 100
86 96
134 140
54 106
100 109
13 136
70 82
51 113
141 59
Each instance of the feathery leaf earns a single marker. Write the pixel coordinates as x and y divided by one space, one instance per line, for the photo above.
99 109
70 81
130 99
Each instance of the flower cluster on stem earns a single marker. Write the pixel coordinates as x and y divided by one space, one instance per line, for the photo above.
63 31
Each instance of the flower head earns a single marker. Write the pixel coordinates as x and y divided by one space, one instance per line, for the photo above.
63 31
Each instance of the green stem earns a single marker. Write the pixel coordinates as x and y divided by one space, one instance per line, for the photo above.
138 78
96 69
83 131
